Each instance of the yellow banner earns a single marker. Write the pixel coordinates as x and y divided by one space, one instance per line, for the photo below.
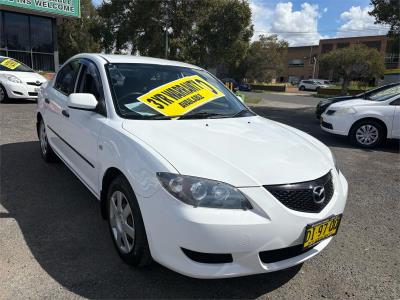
10 63
180 96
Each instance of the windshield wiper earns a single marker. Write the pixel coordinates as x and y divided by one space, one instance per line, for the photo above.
201 115
241 113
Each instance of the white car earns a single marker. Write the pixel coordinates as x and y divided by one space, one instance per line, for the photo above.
185 173
312 84
18 81
367 122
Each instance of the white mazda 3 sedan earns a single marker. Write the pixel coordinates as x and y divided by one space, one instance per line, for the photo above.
185 173
18 81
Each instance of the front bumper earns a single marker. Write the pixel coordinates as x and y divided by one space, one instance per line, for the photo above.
21 90
172 225
339 124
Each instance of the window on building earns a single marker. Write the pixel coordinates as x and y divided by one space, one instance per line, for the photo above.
41 34
296 62
343 45
326 48
2 41
373 44
16 27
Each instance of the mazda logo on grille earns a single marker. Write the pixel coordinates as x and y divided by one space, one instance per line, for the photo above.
318 194
38 82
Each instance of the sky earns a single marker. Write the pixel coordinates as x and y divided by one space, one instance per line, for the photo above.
305 22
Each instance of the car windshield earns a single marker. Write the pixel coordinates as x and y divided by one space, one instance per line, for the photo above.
145 91
385 94
10 64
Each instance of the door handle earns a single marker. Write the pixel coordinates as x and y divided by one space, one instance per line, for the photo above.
65 113
47 100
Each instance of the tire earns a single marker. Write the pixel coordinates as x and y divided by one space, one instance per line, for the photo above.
47 153
302 88
367 134
3 94
318 89
126 224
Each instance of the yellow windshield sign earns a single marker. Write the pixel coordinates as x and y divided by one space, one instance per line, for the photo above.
180 96
10 64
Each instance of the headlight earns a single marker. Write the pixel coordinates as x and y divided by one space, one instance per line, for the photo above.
346 110
335 162
13 78
201 192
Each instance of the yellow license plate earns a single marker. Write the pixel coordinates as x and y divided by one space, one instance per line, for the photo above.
321 230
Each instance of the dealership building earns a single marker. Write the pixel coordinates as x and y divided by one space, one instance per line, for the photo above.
28 30
302 62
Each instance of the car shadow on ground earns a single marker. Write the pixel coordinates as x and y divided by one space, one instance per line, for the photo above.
305 120
19 101
61 224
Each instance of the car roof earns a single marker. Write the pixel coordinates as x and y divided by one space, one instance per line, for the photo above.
132 59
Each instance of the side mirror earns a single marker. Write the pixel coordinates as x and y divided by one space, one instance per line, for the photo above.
82 101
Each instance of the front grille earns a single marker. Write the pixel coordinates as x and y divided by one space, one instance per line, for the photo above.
305 196
35 83
272 256
326 125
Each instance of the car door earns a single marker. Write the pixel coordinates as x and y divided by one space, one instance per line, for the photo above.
83 127
308 85
396 118
56 97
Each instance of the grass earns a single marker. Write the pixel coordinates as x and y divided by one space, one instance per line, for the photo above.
250 99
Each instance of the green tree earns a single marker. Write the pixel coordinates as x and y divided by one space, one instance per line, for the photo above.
357 62
78 35
203 32
265 58
387 12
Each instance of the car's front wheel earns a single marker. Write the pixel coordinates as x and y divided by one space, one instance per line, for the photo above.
45 148
3 94
126 224
302 88
367 134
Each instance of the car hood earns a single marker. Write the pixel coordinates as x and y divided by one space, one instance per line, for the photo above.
351 103
25 76
342 98
248 151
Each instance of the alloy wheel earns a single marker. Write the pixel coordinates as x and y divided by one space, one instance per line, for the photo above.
122 222
43 139
367 134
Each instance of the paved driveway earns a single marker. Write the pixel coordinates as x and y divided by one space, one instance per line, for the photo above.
54 244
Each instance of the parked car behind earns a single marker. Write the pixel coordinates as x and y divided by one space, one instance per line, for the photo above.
185 173
232 81
324 104
18 81
245 87
311 85
367 122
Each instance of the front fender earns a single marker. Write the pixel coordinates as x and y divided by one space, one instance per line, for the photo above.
134 158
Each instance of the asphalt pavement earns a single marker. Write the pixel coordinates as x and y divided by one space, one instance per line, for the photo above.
54 243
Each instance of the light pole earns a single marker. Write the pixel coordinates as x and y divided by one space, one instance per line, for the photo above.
315 62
